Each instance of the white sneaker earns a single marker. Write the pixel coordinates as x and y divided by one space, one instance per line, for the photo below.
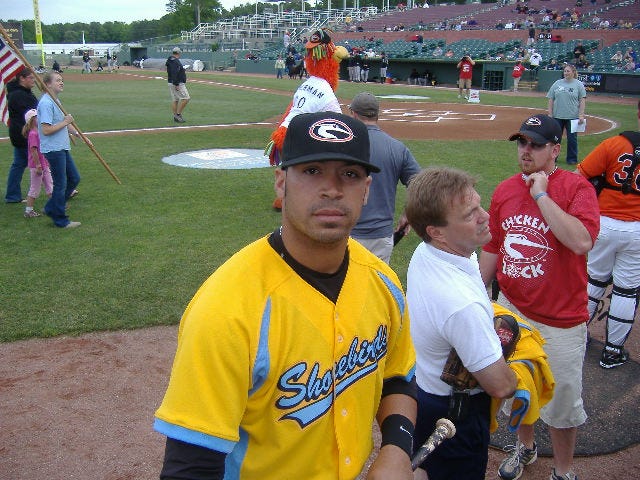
513 465
31 214
72 225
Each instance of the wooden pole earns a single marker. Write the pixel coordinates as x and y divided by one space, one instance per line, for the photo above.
43 88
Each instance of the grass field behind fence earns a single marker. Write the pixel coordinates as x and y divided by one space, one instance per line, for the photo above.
145 246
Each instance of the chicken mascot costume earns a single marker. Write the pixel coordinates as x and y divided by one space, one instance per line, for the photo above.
316 94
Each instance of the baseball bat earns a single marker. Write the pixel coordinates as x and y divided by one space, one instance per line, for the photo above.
444 429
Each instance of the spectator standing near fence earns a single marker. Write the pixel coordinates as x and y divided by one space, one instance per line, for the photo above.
177 79
518 70
279 65
465 65
567 100
534 61
384 64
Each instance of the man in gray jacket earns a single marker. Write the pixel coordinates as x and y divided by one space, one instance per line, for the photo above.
375 226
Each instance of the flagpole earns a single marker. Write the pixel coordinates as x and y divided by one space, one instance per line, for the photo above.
43 88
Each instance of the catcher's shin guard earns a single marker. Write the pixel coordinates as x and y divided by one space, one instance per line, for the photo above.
624 302
595 291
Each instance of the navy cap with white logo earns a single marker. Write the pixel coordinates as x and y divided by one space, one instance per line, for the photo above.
539 129
326 136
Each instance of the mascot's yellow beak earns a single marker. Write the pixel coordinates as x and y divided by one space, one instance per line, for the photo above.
340 53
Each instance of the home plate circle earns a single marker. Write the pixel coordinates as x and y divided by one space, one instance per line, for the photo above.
220 158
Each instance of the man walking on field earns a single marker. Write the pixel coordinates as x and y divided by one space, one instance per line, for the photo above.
177 78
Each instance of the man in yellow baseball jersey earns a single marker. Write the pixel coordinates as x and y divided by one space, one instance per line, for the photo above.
292 348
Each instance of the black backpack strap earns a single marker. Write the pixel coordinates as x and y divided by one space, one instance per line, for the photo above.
633 137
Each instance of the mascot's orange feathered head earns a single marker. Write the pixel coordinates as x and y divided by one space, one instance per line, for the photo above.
321 60
323 57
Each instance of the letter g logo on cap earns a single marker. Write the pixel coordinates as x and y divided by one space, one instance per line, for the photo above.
331 130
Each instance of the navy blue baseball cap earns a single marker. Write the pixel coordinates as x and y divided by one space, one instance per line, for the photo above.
326 136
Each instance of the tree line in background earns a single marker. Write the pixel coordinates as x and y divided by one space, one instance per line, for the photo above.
181 15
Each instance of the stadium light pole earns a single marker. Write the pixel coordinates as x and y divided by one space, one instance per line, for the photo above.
38 26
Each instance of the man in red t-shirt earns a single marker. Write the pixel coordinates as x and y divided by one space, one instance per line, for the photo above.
518 70
466 73
543 222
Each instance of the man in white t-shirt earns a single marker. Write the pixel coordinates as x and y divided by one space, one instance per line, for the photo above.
534 62
450 309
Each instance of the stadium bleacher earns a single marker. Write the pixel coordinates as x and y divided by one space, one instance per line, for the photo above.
601 59
447 26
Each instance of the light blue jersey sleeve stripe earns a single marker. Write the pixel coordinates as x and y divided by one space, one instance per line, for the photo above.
263 361
395 292
234 461
411 374
399 298
191 436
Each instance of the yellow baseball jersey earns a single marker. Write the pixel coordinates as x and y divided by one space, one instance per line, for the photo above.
283 380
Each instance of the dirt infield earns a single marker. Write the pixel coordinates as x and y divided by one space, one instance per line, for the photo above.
446 121
82 407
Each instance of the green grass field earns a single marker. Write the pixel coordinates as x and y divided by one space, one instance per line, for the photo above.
145 246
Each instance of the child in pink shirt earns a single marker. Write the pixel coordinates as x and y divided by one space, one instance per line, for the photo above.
37 163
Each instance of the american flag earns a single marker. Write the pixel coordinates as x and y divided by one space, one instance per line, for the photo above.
10 65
